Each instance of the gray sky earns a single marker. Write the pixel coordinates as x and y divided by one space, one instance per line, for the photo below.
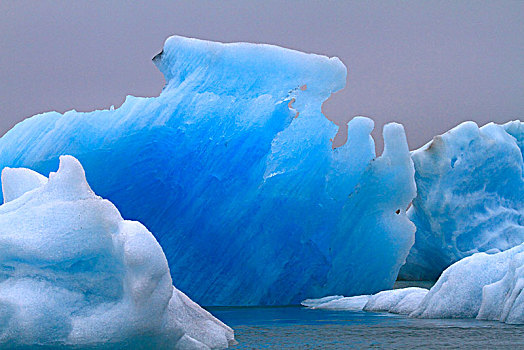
428 65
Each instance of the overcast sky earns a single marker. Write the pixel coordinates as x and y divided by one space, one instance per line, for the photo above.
428 65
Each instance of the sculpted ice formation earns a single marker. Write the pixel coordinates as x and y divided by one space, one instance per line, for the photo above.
485 286
16 182
355 303
74 273
398 301
233 170
470 196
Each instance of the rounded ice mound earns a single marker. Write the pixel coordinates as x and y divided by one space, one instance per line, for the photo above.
74 273
19 181
483 286
401 301
398 301
355 303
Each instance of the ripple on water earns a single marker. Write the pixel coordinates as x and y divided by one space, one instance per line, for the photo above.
301 328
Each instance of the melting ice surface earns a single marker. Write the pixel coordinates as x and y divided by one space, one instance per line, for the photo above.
233 170
74 273
482 286
401 301
470 196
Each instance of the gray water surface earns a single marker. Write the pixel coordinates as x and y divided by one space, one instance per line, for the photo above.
301 328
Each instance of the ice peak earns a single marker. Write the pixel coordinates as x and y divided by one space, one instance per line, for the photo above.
70 180
17 181
244 68
394 140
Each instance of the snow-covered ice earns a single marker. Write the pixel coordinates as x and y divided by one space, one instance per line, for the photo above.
355 303
483 286
17 181
399 301
233 170
319 301
74 273
470 196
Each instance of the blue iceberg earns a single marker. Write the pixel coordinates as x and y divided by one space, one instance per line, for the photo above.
470 196
74 274
233 169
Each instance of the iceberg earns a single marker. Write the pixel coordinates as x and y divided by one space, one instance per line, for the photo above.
75 274
398 301
233 169
470 196
355 303
315 302
402 301
483 286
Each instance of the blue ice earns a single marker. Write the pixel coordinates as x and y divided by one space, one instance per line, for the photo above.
232 168
470 196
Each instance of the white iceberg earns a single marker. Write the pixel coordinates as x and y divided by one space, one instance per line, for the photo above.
17 181
355 303
74 273
320 301
398 301
483 286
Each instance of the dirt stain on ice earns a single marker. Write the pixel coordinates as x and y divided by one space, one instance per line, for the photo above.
290 106
293 100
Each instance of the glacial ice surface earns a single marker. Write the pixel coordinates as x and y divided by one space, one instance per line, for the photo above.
483 286
399 301
75 274
470 196
233 170
355 303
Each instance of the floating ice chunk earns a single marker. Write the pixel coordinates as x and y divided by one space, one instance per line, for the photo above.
233 170
485 286
470 196
398 301
355 303
504 300
74 273
315 302
16 182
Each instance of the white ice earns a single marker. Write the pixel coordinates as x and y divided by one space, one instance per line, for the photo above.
74 273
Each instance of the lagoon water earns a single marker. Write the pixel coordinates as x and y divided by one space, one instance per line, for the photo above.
296 327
